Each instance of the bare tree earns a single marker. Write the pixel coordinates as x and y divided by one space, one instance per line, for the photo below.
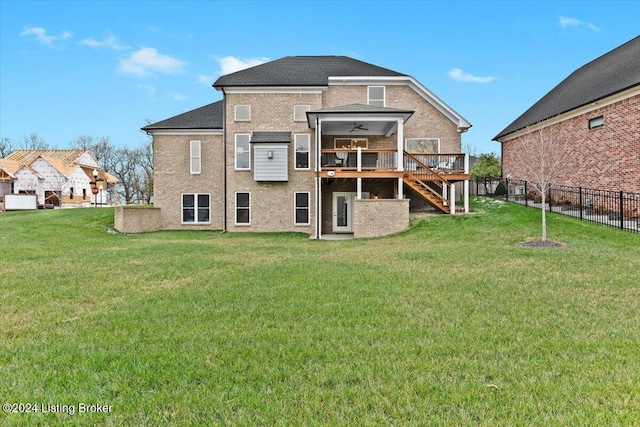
6 147
124 167
538 157
33 142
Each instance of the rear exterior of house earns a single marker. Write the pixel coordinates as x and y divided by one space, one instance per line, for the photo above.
317 144
595 111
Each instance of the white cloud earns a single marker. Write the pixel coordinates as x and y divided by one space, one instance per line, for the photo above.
231 64
458 75
110 42
566 21
41 35
147 60
178 97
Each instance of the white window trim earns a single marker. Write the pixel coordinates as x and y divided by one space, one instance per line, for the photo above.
195 208
384 95
335 144
235 113
304 118
192 158
295 151
599 119
235 152
406 142
308 208
235 211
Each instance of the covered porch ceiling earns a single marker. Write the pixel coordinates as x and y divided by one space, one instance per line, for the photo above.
358 120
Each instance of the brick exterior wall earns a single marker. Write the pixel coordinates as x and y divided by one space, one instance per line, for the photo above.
272 203
172 178
606 158
375 218
137 220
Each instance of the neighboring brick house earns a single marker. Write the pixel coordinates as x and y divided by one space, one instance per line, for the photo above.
315 144
596 111
57 177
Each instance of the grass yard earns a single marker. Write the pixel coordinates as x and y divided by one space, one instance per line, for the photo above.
449 323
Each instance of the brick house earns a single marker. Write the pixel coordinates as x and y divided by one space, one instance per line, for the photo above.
596 110
314 144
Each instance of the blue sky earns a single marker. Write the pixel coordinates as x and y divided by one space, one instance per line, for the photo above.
102 68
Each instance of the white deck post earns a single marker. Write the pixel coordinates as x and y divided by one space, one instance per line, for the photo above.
359 188
466 183
452 204
359 159
400 194
400 166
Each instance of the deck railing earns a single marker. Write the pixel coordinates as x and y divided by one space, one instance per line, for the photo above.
441 162
386 160
359 160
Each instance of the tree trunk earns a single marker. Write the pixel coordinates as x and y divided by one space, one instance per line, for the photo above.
544 216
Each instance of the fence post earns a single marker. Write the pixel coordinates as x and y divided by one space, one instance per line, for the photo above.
549 199
621 210
526 194
580 203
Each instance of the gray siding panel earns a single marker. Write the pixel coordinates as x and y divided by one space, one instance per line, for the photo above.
274 168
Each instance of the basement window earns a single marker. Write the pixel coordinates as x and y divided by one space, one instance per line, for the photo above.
597 122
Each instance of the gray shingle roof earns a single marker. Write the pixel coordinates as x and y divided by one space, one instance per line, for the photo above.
207 117
607 75
270 137
302 71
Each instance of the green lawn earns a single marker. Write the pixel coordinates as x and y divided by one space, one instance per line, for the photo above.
449 323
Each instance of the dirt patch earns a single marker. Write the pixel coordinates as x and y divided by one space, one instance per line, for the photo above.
541 244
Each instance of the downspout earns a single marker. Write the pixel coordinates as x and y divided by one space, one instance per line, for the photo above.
318 180
224 160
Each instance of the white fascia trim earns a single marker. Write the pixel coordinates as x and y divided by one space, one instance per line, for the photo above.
425 93
186 132
275 89
604 102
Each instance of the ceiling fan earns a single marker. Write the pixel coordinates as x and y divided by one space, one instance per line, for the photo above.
358 127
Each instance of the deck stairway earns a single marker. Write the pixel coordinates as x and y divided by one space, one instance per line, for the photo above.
426 182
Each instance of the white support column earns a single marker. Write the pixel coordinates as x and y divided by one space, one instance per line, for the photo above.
452 204
318 215
359 159
400 188
466 183
359 188
466 196
400 161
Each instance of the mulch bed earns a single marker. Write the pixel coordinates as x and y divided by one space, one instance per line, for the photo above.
541 244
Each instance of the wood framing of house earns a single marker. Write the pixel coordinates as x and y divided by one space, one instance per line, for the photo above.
57 177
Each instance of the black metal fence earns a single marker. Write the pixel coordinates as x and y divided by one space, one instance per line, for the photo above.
613 208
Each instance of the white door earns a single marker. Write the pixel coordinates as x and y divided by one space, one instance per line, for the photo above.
343 212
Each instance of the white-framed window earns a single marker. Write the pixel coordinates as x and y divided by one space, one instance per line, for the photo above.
242 113
243 151
301 208
350 143
302 145
376 95
195 157
243 208
300 113
596 122
422 145
196 208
